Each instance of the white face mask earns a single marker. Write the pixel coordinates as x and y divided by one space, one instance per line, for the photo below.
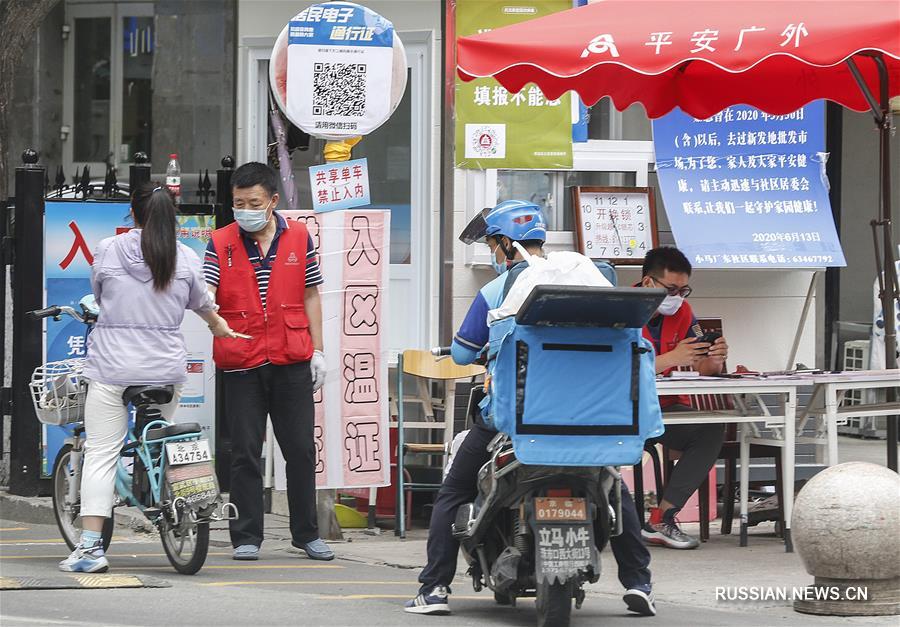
670 305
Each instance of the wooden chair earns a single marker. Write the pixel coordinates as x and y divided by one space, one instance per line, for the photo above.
426 368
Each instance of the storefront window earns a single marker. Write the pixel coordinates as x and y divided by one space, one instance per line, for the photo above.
604 122
388 153
129 62
137 89
552 190
530 185
92 89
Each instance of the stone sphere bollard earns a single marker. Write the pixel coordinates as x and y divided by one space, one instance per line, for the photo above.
846 528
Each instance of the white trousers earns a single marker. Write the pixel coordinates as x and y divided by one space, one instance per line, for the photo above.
106 424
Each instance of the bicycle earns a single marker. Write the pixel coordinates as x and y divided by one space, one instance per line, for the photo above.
171 480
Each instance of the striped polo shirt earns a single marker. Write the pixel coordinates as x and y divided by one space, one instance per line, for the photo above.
262 266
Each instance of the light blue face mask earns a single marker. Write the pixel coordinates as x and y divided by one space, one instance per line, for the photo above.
499 267
252 220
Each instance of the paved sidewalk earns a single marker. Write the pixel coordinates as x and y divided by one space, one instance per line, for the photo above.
680 578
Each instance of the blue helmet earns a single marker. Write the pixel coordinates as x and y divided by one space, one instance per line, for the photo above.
518 220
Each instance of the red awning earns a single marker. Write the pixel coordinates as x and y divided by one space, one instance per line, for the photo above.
699 55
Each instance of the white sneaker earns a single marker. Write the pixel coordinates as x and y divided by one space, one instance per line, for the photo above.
640 600
90 560
435 602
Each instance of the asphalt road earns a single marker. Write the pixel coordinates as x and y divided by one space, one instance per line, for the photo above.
283 588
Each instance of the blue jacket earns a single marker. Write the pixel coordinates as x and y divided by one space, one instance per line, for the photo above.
472 336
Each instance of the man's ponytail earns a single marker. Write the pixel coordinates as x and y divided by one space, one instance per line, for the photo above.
154 212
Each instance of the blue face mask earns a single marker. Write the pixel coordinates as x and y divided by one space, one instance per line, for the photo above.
499 267
252 220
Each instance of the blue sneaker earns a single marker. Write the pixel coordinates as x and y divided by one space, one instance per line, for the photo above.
640 600
85 560
435 602
246 552
316 550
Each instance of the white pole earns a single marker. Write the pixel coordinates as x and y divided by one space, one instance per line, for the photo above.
799 334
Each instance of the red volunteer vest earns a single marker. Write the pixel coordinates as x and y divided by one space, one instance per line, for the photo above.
675 328
281 331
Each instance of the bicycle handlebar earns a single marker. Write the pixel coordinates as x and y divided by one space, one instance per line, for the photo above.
55 311
48 312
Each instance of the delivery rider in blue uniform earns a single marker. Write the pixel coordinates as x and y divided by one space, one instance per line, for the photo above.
522 222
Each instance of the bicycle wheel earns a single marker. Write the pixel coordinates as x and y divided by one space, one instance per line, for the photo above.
185 544
68 515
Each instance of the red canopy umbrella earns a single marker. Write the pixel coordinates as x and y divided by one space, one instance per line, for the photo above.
699 56
705 55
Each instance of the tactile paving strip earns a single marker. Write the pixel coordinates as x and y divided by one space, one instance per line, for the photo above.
81 581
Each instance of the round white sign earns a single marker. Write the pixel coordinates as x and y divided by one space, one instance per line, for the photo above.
330 66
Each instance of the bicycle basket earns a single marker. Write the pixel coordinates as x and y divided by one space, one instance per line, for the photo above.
58 392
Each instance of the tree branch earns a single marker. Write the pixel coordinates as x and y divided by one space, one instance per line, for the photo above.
19 19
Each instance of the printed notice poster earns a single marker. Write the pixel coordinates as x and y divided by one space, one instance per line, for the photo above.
745 189
339 185
72 231
340 62
496 129
198 397
351 409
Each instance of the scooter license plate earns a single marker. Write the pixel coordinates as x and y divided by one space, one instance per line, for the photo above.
189 452
562 549
560 509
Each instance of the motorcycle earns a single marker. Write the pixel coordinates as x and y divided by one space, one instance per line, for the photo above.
538 530
549 498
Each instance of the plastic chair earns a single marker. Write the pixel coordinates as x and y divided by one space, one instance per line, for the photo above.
425 367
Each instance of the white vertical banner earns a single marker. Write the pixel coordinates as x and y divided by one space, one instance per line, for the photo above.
351 429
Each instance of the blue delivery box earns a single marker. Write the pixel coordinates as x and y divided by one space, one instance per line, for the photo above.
571 379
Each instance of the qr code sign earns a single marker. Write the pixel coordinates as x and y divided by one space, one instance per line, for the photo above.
339 89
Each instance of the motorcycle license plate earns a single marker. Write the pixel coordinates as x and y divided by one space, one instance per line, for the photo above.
560 509
192 452
564 537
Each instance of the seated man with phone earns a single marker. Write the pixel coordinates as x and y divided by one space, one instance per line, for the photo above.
679 341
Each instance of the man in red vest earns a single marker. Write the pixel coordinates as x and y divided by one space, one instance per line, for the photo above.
264 274
674 332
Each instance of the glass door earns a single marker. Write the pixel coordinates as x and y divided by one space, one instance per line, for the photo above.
107 85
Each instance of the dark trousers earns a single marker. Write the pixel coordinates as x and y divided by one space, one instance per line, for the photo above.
285 394
699 445
459 487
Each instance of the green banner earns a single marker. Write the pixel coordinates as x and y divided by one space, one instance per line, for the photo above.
497 129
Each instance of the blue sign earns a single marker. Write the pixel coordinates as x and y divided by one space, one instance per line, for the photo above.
72 231
745 189
341 185
340 23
